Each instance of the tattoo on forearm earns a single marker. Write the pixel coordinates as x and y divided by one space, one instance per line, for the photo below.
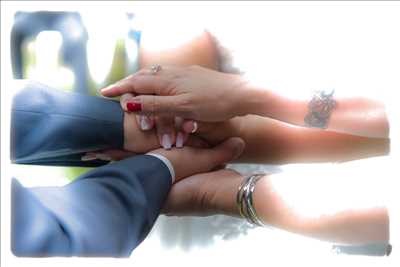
319 109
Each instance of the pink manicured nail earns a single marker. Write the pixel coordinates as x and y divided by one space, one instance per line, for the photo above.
131 106
179 140
145 123
166 141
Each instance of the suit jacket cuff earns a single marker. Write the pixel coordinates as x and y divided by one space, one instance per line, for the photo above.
52 126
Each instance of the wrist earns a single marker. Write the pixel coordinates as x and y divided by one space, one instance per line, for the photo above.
254 100
239 97
135 139
224 201
267 103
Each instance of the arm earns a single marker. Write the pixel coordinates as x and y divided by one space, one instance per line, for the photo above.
348 223
58 128
52 127
353 115
204 95
274 142
107 211
337 215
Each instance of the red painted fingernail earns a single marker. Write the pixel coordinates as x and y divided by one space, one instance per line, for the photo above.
133 106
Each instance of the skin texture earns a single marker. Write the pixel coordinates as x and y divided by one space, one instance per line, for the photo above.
352 115
204 95
350 225
206 159
215 193
197 50
270 141
267 141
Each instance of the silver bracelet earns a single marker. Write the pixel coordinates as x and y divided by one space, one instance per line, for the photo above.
244 199
319 109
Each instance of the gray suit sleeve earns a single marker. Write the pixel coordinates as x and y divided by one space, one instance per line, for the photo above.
53 127
105 212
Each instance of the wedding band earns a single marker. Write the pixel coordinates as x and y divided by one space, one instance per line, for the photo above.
155 69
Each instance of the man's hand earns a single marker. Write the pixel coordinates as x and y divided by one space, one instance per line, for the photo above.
204 194
189 160
137 141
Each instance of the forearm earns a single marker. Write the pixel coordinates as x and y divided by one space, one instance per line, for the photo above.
354 115
350 225
49 126
279 201
105 212
274 142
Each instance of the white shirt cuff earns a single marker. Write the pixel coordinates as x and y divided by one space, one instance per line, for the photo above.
167 163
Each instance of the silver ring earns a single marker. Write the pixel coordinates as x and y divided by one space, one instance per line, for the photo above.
155 68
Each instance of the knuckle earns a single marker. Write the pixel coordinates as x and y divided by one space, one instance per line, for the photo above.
155 105
185 106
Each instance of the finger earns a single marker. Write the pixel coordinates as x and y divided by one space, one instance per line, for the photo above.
165 131
125 98
157 105
191 126
181 137
194 141
145 122
89 156
207 159
107 155
178 123
138 84
116 154
225 152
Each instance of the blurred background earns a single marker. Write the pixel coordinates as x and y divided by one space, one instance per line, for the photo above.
84 47
72 51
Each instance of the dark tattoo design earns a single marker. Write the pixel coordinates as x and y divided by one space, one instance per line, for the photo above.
319 109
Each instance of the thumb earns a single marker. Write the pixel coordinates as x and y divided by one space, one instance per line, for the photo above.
227 151
199 127
153 105
208 159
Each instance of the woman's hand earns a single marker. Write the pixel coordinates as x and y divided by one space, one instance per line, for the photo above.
191 92
175 96
137 141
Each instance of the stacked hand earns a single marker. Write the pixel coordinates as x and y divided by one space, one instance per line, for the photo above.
193 93
163 100
206 189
